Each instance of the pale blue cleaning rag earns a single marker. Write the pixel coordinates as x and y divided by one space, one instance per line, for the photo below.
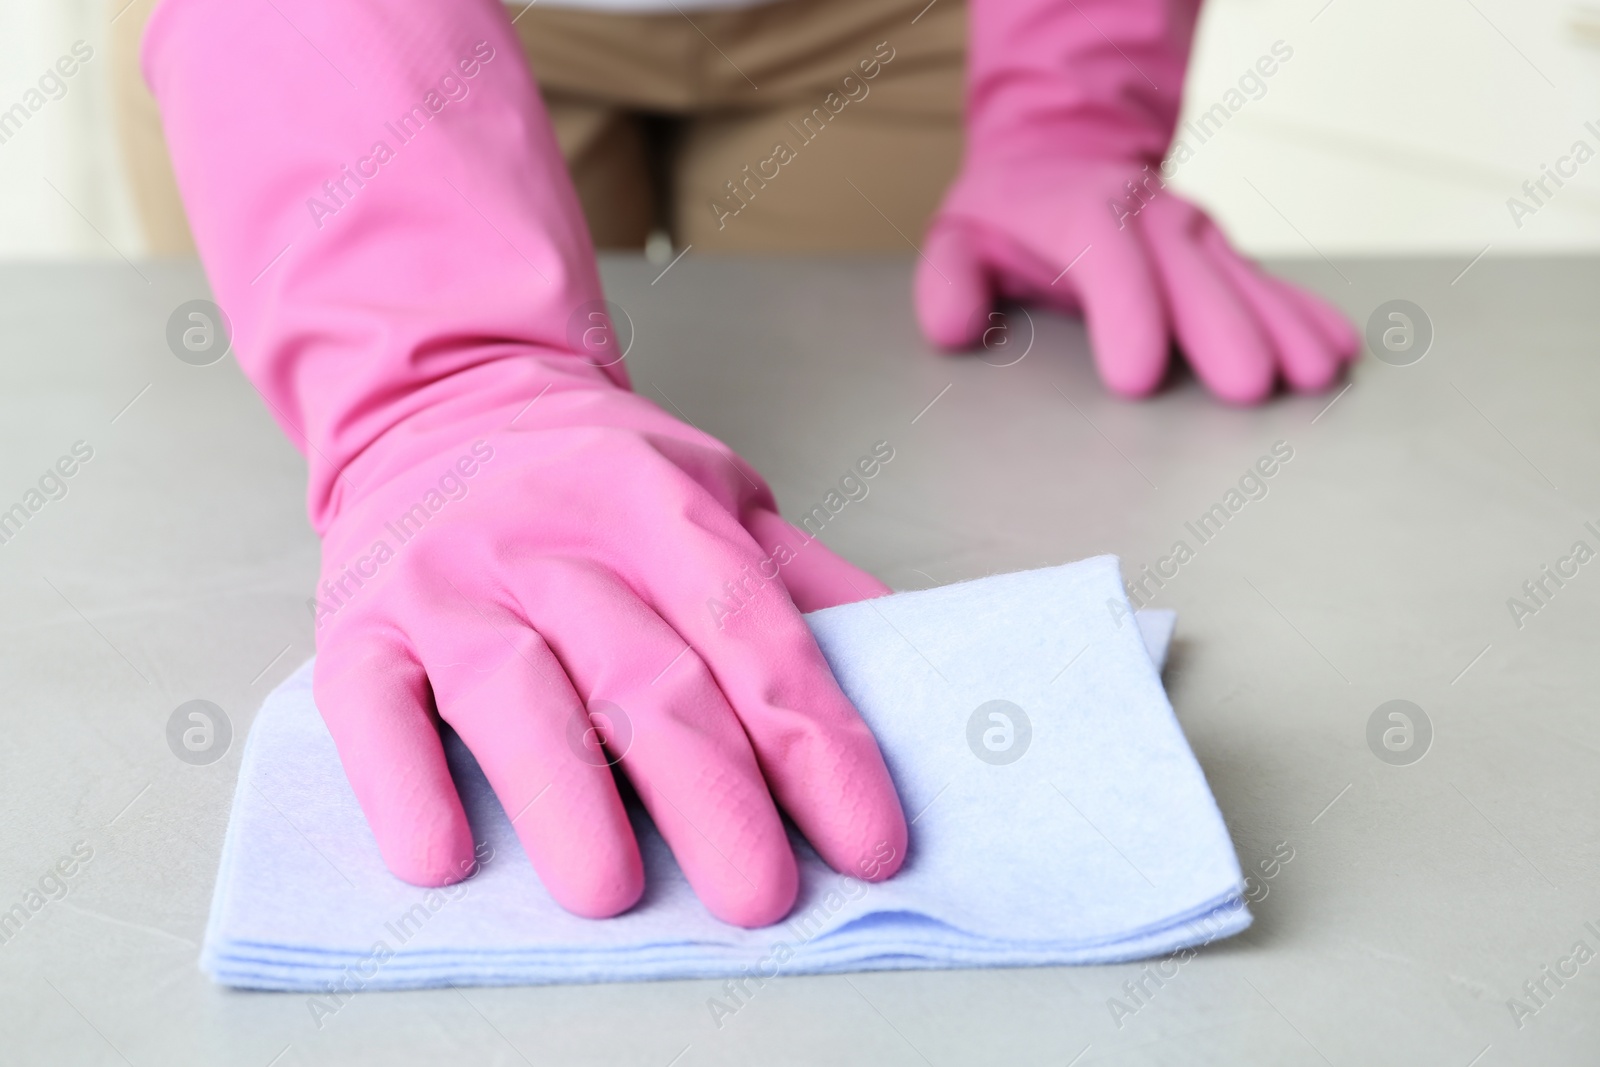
1069 824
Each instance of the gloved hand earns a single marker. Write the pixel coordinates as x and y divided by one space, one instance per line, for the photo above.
571 559
511 539
1061 200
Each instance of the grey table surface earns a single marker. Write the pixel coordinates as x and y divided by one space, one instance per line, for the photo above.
1420 898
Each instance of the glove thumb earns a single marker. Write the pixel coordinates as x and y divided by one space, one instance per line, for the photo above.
952 288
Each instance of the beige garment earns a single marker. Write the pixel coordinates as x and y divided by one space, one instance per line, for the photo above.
800 125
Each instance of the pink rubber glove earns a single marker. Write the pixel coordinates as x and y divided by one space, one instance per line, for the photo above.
510 537
1071 106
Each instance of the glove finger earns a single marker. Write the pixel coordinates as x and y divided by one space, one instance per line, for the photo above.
496 682
1329 320
1122 308
373 695
1218 331
819 759
812 574
1307 360
952 288
677 738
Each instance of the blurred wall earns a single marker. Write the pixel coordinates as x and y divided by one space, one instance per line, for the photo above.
61 191
1391 127
1400 125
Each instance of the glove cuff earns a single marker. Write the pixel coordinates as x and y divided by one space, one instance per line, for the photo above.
384 215
1094 79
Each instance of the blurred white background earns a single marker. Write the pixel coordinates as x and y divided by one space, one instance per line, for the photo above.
1394 128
